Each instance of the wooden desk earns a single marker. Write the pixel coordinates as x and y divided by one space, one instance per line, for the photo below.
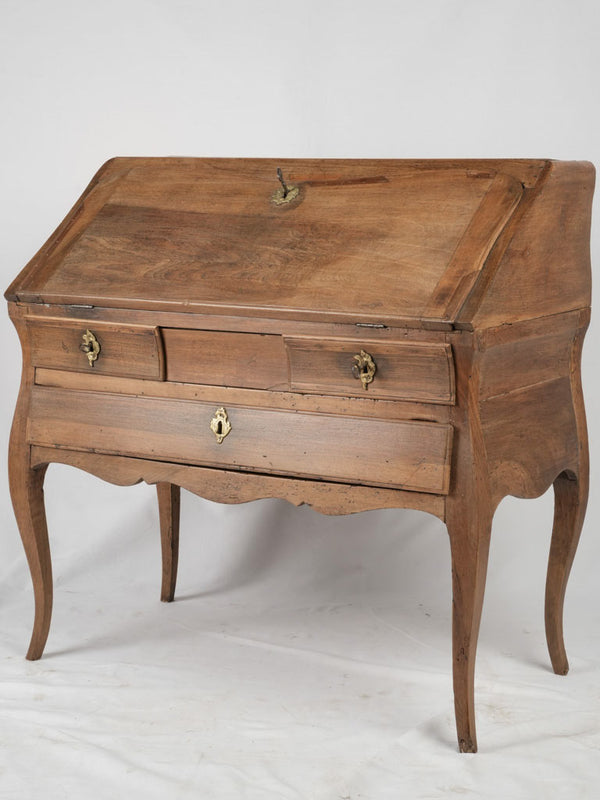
348 334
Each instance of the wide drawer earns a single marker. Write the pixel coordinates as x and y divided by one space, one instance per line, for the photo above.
133 351
392 453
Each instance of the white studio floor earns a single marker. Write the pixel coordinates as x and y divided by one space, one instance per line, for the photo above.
305 657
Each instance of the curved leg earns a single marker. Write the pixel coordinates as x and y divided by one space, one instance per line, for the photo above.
27 493
470 542
168 508
570 501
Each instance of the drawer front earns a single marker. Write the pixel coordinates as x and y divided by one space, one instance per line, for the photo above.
125 350
225 358
397 454
404 371
422 372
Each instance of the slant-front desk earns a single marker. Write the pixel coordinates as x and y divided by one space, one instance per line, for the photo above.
348 334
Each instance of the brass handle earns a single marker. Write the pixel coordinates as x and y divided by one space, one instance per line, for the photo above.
220 424
90 346
364 368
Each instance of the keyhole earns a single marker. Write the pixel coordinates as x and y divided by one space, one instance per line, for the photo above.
219 428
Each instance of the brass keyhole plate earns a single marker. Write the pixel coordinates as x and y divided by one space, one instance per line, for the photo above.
364 368
90 346
285 193
281 196
220 424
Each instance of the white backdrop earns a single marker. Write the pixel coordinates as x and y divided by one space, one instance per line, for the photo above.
307 657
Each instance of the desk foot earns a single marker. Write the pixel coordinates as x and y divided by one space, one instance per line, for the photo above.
467 745
570 501
168 507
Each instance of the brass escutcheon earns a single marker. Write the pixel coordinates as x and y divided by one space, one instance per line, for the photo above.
365 368
220 424
285 194
90 346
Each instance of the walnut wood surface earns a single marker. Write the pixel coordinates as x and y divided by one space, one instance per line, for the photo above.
226 486
225 358
131 350
168 509
496 209
204 233
475 273
26 483
362 406
544 262
421 372
571 489
396 454
469 512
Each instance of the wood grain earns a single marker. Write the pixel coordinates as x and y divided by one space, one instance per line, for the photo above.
225 395
495 210
421 372
200 234
405 455
132 350
467 280
469 512
169 510
225 358
540 415
525 353
545 267
26 483
227 486
571 490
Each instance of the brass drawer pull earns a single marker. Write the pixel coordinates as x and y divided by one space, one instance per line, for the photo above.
365 368
90 346
220 424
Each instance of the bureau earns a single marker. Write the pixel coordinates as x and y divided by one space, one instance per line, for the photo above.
351 334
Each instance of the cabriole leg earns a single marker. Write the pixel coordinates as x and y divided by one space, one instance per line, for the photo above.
469 542
168 507
27 493
570 501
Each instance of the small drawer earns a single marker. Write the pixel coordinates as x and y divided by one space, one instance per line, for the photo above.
399 454
226 358
416 371
133 351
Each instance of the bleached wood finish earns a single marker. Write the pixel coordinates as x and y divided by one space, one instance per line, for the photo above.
468 282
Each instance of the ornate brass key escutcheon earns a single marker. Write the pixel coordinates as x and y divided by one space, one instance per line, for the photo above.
90 346
220 424
364 368
286 193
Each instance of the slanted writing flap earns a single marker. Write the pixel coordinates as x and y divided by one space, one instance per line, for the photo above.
387 241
